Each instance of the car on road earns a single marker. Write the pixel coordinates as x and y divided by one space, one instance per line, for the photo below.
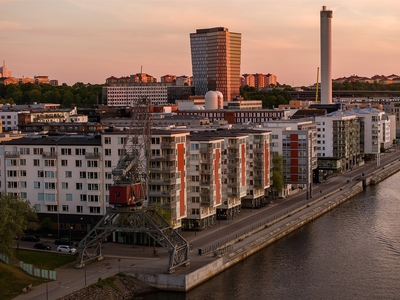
62 241
66 249
30 238
42 246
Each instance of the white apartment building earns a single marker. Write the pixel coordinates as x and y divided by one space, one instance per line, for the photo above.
60 176
376 128
9 120
204 181
128 96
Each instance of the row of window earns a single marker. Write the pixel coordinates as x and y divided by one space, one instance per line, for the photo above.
65 208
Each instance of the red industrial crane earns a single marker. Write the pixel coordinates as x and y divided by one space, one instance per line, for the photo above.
132 171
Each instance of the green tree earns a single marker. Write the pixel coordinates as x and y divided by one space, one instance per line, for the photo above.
47 225
16 216
277 174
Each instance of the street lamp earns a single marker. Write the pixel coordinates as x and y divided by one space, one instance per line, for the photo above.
70 235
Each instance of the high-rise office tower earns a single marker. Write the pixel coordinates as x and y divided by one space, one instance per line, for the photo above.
216 56
326 56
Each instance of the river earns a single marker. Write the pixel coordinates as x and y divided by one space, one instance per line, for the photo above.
352 252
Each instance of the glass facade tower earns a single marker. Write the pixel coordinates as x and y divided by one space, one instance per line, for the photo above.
216 55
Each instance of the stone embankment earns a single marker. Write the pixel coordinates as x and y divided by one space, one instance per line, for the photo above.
113 288
251 244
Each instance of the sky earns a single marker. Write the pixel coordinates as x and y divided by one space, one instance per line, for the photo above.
91 40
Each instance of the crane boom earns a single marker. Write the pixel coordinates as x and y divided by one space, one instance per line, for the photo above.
131 173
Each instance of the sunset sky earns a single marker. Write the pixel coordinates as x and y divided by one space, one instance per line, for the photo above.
90 40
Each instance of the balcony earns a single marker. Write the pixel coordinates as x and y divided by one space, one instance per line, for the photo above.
92 155
49 154
160 181
168 170
167 157
233 174
206 172
168 145
258 150
205 183
165 193
206 192
207 150
9 154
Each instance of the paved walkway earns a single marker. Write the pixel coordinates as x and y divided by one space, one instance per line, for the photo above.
122 257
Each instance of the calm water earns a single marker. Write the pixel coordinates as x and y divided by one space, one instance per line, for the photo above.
352 252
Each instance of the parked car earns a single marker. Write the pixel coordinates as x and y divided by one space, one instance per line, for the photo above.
42 246
62 241
30 238
65 248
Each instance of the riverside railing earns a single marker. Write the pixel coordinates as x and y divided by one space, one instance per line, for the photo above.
250 229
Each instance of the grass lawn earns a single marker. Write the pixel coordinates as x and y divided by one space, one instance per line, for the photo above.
13 279
45 260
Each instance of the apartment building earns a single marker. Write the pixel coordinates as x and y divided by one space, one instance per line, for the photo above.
62 177
339 141
204 181
296 142
167 173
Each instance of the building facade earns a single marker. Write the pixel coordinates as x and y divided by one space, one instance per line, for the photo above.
216 56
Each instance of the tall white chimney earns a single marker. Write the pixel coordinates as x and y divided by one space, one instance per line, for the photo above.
326 56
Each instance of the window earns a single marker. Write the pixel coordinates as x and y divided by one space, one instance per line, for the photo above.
40 173
93 187
49 174
107 140
94 210
68 174
155 140
83 197
22 184
78 186
11 162
64 162
12 184
92 175
93 198
78 163
37 207
22 173
51 207
36 184
49 185
49 163
64 185
12 173
80 151
68 197
82 174
25 151
36 162
107 163
66 151
22 162
37 151
65 208
107 152
92 164
122 140
108 175
79 209
108 186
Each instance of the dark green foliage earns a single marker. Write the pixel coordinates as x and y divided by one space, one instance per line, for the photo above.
79 94
270 98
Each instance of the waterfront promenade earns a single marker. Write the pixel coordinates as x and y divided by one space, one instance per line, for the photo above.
132 259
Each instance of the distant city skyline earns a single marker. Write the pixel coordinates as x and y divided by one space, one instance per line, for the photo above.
89 41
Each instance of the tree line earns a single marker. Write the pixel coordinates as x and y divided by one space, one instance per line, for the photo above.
80 94
271 98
